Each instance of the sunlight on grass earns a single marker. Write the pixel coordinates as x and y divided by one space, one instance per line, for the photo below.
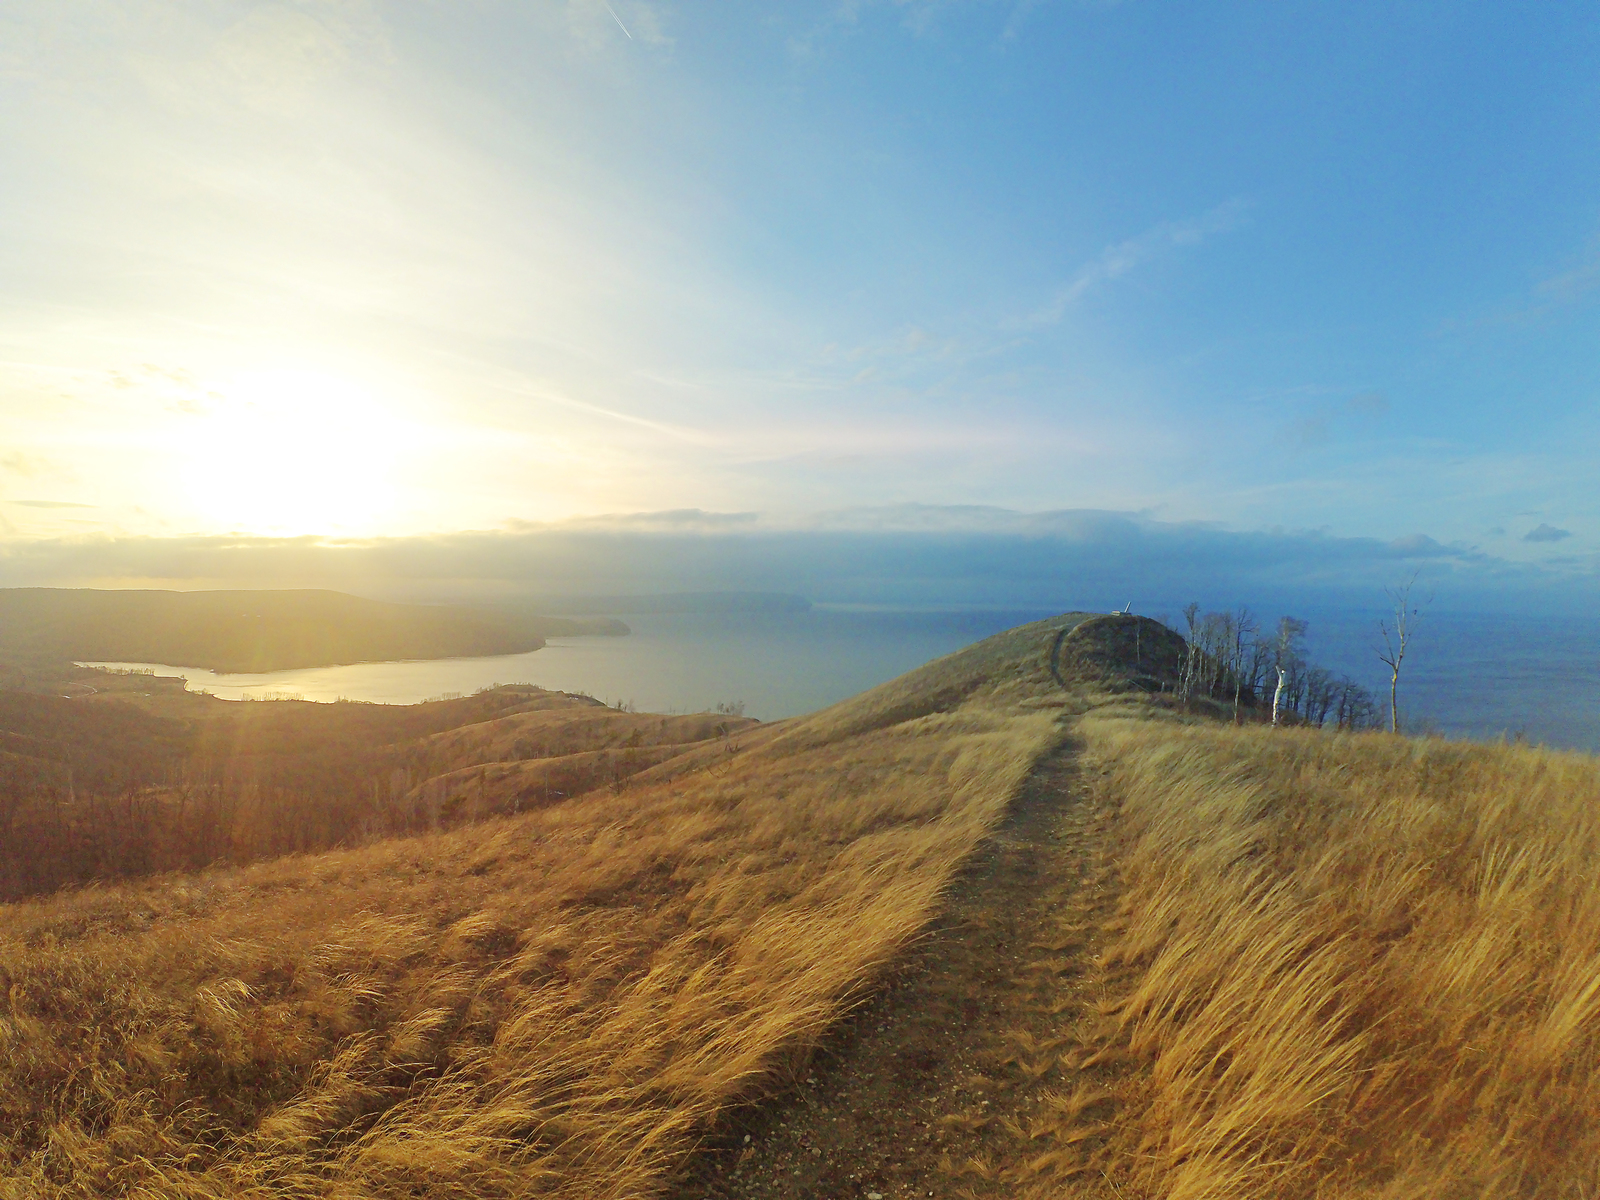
1364 965
555 1004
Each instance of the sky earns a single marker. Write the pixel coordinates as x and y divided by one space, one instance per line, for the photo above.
1305 293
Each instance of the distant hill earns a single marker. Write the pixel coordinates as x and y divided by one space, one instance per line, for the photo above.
117 781
260 630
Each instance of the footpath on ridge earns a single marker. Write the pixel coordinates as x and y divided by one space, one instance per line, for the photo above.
965 1075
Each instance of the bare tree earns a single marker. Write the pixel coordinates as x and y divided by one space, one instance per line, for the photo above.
1287 661
1397 632
1191 658
1239 651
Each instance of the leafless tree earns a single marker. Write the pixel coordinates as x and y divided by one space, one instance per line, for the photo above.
1397 632
1191 660
1357 707
1286 661
1240 654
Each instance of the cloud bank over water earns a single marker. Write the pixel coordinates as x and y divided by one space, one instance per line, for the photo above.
895 555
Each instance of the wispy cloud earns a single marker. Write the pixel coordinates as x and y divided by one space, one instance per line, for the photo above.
1322 426
1024 9
596 24
1121 258
1572 286
17 463
1575 283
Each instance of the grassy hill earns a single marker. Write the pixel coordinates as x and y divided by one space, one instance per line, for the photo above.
118 781
555 1003
259 630
1213 961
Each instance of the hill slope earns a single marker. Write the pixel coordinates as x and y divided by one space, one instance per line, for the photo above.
121 782
555 1004
259 630
1176 958
1206 962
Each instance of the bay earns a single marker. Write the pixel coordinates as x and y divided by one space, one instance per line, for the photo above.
1474 675
776 665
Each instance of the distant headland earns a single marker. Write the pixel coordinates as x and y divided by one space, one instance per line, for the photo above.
229 631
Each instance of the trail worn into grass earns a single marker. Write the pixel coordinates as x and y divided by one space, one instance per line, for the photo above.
959 1079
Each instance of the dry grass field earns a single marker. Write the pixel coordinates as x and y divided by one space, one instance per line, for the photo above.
127 782
1352 965
1237 962
1225 962
553 1004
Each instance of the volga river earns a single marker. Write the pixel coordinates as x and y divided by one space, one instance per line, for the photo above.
1474 675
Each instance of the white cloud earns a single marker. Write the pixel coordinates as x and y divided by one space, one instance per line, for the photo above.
1118 260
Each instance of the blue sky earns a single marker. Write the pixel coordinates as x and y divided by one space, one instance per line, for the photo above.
1324 273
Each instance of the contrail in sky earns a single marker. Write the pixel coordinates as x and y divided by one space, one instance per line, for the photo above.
618 20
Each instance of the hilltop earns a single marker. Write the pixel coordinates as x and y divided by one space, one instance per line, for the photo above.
256 631
1016 923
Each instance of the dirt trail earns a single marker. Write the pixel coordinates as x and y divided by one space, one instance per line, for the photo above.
958 1079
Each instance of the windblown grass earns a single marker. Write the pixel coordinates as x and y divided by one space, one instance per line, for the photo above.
555 1004
1355 964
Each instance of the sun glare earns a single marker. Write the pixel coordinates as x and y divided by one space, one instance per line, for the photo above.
294 452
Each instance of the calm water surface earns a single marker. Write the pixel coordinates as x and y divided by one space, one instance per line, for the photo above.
1482 675
777 664
1468 675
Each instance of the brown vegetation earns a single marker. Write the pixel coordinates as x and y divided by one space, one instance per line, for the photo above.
1357 964
951 1082
1308 964
552 1004
98 789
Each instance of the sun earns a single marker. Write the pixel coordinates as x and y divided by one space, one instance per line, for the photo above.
293 451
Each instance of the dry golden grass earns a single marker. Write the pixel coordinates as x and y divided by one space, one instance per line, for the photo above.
556 1004
1342 965
573 727
1360 965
